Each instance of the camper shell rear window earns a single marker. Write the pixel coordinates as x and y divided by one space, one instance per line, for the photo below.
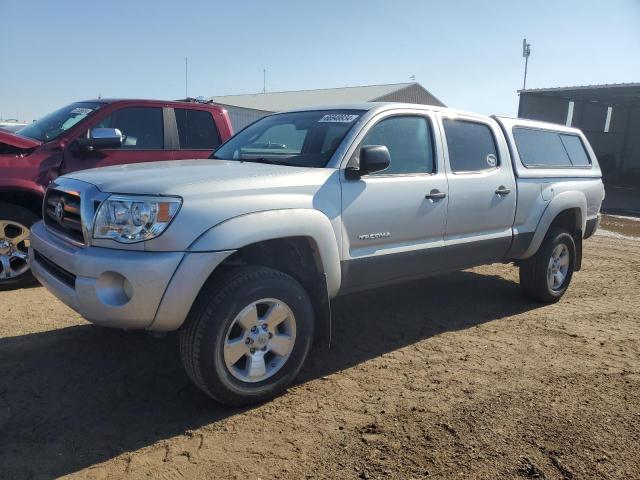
550 149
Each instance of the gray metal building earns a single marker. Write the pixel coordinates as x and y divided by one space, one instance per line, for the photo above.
244 109
609 115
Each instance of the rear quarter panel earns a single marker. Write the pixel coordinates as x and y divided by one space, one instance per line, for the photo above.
545 192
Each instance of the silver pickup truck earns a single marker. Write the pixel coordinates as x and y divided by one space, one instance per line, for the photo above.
243 253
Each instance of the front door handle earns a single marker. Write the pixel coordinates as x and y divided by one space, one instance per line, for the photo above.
435 194
502 190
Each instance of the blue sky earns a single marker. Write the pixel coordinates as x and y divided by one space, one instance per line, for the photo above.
468 53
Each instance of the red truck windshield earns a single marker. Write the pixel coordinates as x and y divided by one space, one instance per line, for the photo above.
53 125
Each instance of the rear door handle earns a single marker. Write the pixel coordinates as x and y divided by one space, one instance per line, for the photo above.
502 190
435 194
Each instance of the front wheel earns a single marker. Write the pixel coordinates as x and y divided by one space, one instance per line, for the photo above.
247 335
15 222
546 276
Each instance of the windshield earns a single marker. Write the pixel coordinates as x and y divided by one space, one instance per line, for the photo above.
304 139
55 124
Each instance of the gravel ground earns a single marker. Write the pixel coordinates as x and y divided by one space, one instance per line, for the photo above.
455 376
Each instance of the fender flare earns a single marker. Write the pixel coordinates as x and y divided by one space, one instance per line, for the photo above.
24 193
562 201
21 185
243 230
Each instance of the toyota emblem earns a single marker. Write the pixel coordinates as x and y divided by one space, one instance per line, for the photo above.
59 211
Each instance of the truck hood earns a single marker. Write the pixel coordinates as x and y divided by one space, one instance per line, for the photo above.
14 140
197 177
217 190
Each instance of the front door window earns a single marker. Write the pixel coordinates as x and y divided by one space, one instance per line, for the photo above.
142 126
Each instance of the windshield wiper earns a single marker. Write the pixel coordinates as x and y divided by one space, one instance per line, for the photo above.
270 161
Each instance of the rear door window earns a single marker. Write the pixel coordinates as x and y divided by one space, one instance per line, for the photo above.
471 145
546 148
196 129
143 127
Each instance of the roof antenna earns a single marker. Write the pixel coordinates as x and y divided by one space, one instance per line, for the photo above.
264 80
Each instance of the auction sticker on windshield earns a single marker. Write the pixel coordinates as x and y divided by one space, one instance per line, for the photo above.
337 118
81 111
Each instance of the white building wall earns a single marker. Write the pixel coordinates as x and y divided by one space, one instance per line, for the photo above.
241 117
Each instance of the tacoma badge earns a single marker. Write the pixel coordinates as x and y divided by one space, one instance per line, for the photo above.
374 236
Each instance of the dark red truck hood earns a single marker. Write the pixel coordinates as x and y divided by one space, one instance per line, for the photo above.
17 141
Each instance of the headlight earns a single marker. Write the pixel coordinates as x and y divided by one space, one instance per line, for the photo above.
130 219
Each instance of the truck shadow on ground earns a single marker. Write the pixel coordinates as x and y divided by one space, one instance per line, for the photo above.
78 396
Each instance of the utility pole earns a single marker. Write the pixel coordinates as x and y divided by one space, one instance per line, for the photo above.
264 80
526 51
186 78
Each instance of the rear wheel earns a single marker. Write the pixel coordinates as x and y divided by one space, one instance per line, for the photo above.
15 222
248 335
546 276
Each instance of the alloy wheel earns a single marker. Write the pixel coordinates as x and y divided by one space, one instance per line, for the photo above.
14 249
260 340
558 267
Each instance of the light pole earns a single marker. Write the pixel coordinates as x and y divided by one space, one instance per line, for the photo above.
526 51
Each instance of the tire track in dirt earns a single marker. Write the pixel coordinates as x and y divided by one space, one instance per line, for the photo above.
454 376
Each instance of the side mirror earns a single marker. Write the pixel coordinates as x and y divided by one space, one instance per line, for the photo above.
373 158
99 138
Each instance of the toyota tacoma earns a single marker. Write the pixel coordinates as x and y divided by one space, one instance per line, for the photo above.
243 253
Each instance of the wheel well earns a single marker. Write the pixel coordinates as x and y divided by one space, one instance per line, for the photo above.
297 257
28 200
571 220
568 219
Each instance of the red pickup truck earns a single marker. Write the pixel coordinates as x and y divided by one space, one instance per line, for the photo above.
89 134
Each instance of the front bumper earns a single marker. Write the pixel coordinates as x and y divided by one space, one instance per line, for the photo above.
121 288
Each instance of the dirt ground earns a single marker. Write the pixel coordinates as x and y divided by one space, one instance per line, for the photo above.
452 377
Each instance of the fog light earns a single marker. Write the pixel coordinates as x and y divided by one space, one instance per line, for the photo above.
114 289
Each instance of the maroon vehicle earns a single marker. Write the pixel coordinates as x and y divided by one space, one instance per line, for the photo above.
94 133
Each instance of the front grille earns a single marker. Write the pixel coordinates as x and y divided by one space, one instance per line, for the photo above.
62 214
57 271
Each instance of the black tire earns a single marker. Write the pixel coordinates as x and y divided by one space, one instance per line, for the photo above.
202 337
533 271
15 213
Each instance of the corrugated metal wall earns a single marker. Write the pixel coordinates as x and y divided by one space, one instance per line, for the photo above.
241 117
547 109
618 150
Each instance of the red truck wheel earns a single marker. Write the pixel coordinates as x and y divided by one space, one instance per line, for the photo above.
15 222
